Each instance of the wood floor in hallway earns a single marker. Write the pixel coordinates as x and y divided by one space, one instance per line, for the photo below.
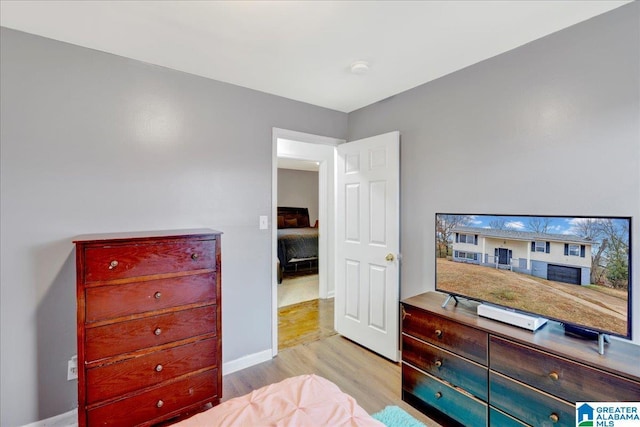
305 322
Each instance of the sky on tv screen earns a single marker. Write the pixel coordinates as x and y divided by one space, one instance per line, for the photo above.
556 225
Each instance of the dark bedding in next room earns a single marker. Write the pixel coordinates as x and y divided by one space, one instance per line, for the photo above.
297 241
297 244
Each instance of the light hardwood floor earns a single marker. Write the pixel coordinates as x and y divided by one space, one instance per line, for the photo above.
372 380
305 322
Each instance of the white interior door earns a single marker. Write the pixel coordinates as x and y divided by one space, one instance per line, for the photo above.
368 243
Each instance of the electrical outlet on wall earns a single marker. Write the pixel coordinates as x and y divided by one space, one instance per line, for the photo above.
72 368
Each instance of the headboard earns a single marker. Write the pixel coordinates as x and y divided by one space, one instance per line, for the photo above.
293 217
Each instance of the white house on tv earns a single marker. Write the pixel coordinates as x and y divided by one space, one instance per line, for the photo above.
558 257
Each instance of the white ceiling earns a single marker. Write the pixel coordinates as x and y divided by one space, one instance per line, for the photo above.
303 50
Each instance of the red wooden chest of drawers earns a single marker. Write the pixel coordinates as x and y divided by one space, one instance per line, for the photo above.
149 323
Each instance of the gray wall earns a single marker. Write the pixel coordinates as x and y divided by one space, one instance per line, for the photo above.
552 127
297 188
93 142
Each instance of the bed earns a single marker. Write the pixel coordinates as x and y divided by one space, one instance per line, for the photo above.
297 240
305 400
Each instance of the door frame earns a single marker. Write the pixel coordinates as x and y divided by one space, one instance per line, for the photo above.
326 210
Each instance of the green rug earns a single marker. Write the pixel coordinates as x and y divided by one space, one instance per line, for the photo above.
393 416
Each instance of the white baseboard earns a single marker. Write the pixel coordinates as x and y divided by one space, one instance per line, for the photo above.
68 419
246 361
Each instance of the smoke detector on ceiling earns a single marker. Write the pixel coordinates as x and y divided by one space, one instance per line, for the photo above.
360 67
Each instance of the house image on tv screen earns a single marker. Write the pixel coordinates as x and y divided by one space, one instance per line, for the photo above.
559 257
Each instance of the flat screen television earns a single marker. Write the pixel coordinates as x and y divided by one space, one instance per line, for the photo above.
572 269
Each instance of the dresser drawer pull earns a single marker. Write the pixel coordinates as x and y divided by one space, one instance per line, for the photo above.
438 333
158 331
554 376
438 363
157 295
160 404
554 418
158 368
194 257
438 395
113 264
405 314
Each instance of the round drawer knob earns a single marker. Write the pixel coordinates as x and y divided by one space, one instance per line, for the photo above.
113 264
554 376
554 418
158 367
158 331
160 404
194 257
438 363
438 333
157 295
438 395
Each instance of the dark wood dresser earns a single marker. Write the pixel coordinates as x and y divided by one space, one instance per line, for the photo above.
149 322
479 372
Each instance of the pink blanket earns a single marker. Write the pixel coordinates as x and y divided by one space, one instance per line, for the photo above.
306 400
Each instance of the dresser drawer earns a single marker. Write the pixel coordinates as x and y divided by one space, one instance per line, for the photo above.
461 339
532 406
110 262
446 366
133 374
105 302
563 378
443 397
158 402
125 337
500 419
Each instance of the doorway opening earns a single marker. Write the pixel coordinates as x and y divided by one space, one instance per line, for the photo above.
295 153
297 214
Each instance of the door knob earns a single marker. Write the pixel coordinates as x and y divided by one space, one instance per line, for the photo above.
389 257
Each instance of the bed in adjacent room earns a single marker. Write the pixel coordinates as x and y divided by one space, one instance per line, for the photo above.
297 240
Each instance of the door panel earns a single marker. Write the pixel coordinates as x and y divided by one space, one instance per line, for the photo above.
377 212
352 289
352 213
377 274
368 243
